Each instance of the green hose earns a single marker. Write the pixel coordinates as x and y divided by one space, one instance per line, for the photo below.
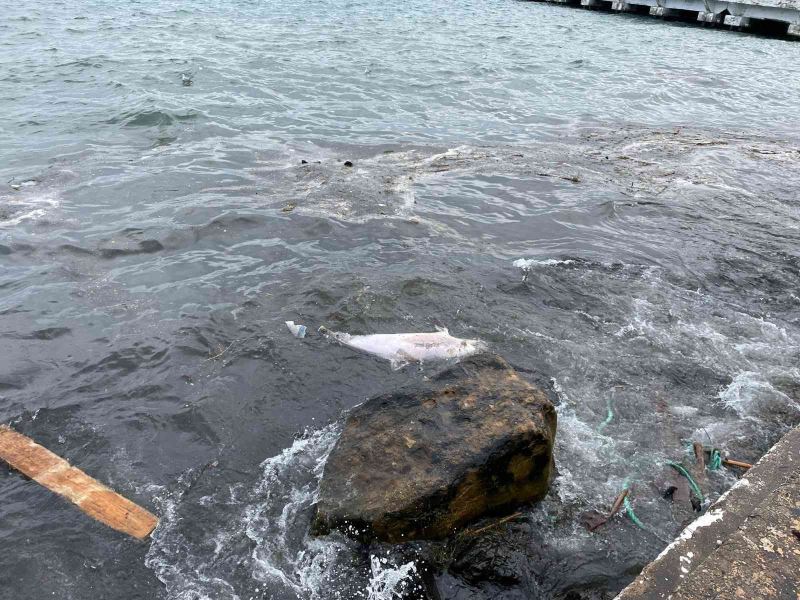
714 463
629 507
632 515
692 483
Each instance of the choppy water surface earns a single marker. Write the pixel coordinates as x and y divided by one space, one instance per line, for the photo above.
157 227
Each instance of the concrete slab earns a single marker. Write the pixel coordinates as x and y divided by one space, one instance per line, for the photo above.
734 21
746 545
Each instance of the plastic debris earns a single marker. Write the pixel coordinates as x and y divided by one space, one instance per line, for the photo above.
404 348
298 331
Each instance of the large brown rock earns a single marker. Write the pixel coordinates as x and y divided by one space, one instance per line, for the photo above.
421 462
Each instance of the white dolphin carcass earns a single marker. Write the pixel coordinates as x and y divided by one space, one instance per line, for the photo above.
403 348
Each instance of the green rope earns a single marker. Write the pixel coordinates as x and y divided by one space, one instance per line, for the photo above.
609 416
632 515
688 448
715 461
629 507
692 483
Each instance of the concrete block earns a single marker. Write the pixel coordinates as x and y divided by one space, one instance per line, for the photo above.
794 29
734 21
665 13
710 17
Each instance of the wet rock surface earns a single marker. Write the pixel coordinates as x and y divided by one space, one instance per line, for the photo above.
421 462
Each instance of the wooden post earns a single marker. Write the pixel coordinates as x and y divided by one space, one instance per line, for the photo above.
88 494
699 468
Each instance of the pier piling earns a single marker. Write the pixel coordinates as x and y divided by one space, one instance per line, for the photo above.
769 17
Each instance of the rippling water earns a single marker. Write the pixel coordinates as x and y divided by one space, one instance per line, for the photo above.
158 225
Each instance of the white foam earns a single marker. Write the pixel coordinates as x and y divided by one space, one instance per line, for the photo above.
526 264
684 411
288 488
750 391
28 207
387 582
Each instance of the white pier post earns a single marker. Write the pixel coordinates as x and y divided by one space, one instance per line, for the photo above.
710 17
737 22
660 11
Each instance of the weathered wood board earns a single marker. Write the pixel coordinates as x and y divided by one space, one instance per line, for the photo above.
88 494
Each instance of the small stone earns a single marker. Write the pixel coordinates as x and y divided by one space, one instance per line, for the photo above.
348 163
288 208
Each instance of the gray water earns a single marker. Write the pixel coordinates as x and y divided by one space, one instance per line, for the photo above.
157 227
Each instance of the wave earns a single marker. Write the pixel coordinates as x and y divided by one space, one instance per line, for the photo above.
271 518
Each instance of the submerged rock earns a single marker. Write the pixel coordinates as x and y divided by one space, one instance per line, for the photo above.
421 462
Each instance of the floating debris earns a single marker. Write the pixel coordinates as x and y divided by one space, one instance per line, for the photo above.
298 331
594 520
729 462
88 494
716 460
403 348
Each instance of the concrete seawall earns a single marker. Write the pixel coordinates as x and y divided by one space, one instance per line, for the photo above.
745 546
774 17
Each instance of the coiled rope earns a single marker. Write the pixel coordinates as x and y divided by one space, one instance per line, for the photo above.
715 460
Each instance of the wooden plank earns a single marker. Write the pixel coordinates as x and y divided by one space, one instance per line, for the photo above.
88 494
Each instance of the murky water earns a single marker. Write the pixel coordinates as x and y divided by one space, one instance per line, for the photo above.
157 227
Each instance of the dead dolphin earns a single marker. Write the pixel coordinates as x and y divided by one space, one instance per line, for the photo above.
403 348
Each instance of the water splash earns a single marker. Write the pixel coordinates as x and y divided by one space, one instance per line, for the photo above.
272 518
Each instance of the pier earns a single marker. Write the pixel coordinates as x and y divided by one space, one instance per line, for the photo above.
770 17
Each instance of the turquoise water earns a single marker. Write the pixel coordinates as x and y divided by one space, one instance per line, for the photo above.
173 188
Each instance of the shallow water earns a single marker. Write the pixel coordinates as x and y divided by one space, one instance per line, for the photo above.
157 227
